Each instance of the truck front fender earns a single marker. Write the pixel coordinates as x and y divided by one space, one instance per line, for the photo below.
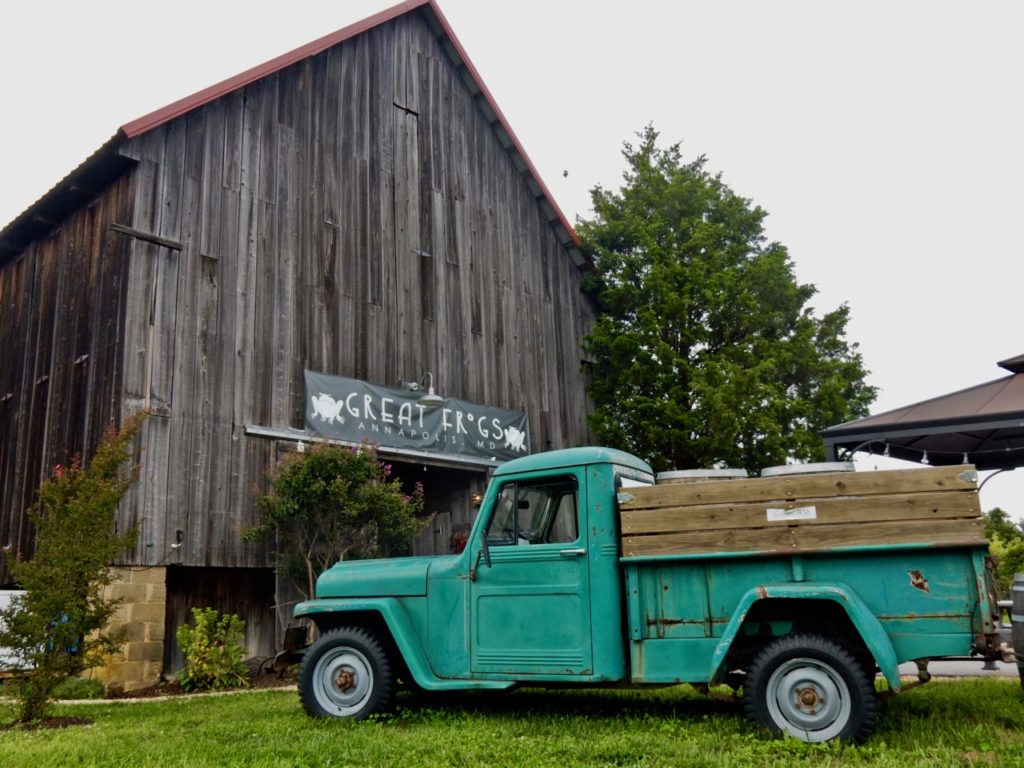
870 629
403 633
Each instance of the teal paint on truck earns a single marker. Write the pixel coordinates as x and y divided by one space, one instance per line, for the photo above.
543 594
394 577
869 628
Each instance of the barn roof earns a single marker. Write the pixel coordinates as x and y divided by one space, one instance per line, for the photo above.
107 163
981 425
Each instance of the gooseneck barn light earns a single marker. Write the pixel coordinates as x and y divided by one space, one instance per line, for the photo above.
430 399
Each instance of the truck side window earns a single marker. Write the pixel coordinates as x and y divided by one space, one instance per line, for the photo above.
535 512
565 527
502 529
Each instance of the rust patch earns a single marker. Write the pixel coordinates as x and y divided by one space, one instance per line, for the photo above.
918 581
949 615
762 593
663 622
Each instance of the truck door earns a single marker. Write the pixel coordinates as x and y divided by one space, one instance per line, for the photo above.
531 607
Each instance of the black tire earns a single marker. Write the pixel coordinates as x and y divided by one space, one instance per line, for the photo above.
346 673
810 688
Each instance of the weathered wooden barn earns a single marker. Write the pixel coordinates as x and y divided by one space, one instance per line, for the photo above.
356 207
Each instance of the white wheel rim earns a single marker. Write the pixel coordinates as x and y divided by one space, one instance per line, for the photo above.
343 681
808 699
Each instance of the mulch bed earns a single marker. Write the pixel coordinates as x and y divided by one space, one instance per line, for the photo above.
259 680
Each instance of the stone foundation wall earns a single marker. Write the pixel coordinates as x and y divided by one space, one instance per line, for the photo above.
141 615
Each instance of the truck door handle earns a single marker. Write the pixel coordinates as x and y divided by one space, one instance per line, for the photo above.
578 552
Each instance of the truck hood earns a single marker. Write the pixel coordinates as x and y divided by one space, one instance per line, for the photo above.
393 577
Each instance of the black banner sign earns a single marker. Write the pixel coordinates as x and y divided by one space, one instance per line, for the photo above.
348 409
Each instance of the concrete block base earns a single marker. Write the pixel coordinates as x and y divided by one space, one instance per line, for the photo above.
141 617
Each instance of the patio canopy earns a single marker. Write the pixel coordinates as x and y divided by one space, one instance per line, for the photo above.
982 425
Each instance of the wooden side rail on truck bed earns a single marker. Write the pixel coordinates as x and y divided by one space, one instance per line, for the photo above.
937 505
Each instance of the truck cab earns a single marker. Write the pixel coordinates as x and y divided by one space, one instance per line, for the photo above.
539 570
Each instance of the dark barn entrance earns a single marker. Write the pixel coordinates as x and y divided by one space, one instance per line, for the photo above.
451 498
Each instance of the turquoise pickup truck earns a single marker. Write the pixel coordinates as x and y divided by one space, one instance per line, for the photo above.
580 570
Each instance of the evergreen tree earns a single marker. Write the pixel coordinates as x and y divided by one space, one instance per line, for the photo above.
706 351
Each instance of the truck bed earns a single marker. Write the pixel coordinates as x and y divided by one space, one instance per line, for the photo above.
835 511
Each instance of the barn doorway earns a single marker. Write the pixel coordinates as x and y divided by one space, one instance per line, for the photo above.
451 499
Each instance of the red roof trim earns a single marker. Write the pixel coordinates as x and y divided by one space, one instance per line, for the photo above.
504 122
187 104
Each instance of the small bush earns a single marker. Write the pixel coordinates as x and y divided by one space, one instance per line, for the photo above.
214 656
79 688
59 626
335 503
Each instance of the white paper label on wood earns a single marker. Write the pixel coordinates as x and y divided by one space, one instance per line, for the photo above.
797 513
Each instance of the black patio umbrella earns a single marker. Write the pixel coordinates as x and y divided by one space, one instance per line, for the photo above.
981 425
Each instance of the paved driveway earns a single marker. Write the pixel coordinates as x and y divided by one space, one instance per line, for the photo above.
962 669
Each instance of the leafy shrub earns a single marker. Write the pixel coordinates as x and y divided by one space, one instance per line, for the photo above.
57 628
1006 543
1009 554
214 656
335 503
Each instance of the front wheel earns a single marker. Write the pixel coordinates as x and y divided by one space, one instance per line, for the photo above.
345 673
812 689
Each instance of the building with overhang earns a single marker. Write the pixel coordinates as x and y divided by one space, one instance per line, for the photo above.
356 213
981 425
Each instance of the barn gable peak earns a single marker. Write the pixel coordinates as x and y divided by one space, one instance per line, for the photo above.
107 162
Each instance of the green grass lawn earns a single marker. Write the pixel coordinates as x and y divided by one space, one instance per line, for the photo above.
945 723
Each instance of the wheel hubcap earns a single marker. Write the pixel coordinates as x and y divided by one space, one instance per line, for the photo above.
808 699
343 681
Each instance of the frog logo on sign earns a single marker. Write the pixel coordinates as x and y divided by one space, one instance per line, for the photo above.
514 439
356 411
326 408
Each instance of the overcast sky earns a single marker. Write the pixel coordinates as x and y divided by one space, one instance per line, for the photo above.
884 139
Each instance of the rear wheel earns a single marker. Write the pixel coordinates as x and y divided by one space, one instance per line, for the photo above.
812 689
345 673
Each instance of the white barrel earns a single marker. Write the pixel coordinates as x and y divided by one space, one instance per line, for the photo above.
700 475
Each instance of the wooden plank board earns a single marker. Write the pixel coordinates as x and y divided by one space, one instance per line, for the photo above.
406 295
281 273
905 506
141 286
178 495
797 539
166 223
802 487
64 315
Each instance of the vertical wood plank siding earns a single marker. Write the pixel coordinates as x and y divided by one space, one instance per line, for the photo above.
62 314
354 213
